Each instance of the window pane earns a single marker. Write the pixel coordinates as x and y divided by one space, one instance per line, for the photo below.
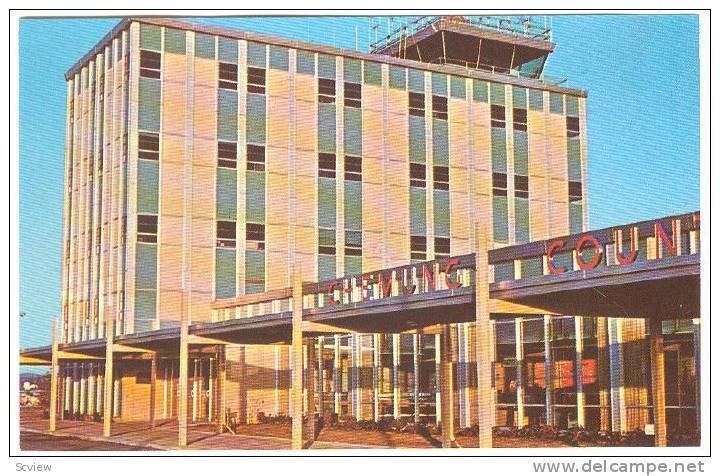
457 87
147 186
417 211
149 105
500 219
227 115
519 97
227 50
439 84
480 90
416 81
373 73
416 127
145 266
150 37
353 131
327 203
255 196
522 220
326 267
226 194
326 127
520 144
305 62
353 205
556 103
256 118
279 58
442 212
440 142
536 100
204 46
352 71
224 273
497 93
499 151
397 77
256 55
326 66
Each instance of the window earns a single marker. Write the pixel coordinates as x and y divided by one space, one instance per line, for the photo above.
256 80
441 177
228 73
150 64
147 226
439 105
499 184
497 115
256 157
417 175
353 243
225 234
418 248
442 247
520 119
148 146
573 126
521 186
227 154
416 103
255 236
326 241
326 165
353 95
326 90
353 168
575 191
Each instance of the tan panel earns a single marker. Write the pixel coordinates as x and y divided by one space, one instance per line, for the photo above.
398 102
305 88
307 265
205 73
202 233
397 137
559 221
372 97
537 160
276 237
205 112
173 149
306 204
171 188
398 249
557 126
538 188
372 208
277 269
457 110
305 240
203 184
174 68
398 207
200 306
278 128
170 230
538 218
278 161
558 168
458 136
372 133
174 108
459 180
306 124
169 264
460 246
278 191
203 263
398 173
459 215
536 122
170 306
481 136
372 247
372 170
278 83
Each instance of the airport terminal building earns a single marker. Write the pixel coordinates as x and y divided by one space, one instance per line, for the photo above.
239 205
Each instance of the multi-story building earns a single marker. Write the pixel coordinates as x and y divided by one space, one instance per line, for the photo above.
205 164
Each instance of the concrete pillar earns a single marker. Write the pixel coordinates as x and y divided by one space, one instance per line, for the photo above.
54 370
99 386
376 377
311 386
519 384
76 389
320 376
211 389
183 379
549 372
117 389
108 401
296 353
657 371
438 383
153 382
194 394
337 378
417 348
447 418
696 348
242 378
484 349
91 389
396 375
617 375
579 332
68 389
166 375
83 389
603 372
222 379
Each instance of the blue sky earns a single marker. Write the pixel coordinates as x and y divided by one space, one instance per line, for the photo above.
642 73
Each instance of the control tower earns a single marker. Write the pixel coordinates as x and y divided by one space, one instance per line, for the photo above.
510 45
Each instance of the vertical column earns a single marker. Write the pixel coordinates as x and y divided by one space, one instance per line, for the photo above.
376 377
108 400
549 374
579 332
222 379
446 390
438 383
417 348
76 389
183 378
603 373
320 380
696 349
165 390
617 375
296 352
657 371
83 389
54 370
153 381
337 378
211 389
311 385
396 375
484 348
194 390
520 359
91 389
99 386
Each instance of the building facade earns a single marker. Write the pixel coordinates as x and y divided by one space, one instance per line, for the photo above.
206 164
